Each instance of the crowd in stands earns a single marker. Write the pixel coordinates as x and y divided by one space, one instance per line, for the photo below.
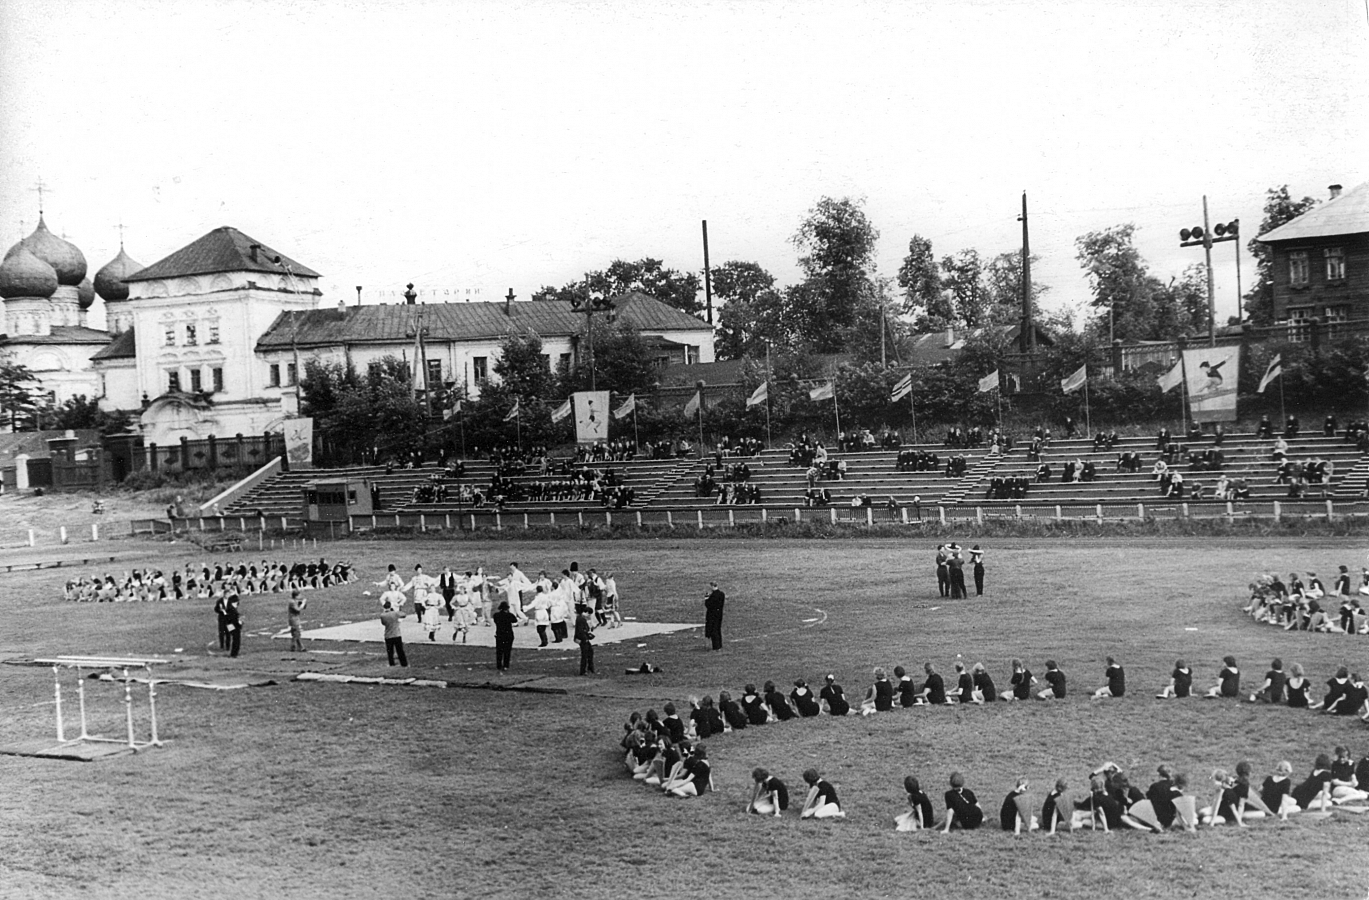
435 491
612 451
204 581
667 752
676 449
1308 606
735 486
864 440
1010 488
728 447
917 461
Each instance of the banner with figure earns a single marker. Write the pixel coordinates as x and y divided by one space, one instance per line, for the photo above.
591 416
1211 374
299 440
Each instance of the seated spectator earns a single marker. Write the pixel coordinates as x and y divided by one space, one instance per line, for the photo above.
822 800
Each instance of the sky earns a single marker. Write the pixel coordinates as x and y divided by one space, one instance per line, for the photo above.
483 146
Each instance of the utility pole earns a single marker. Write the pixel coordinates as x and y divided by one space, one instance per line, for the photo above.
1203 236
1028 342
708 278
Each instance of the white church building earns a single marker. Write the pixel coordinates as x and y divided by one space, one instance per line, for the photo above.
212 339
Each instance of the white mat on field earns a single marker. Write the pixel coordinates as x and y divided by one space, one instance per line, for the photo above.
524 637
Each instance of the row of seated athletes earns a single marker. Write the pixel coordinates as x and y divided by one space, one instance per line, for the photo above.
1297 606
203 580
1346 694
1112 803
661 752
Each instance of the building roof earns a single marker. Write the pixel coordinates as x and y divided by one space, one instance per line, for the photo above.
1346 214
124 346
224 249
61 334
449 322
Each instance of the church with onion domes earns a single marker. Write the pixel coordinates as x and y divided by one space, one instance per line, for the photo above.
211 340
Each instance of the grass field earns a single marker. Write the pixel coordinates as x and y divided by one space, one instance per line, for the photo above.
311 789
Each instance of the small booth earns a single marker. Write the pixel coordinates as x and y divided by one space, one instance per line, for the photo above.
330 502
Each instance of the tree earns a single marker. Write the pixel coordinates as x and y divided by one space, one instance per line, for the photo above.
19 397
650 276
1181 306
1279 208
751 310
963 278
81 412
1003 287
1122 285
623 363
920 280
358 417
836 243
522 368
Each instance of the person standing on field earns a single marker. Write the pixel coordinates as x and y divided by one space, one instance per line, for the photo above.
503 636
713 615
293 613
234 625
394 639
584 636
977 560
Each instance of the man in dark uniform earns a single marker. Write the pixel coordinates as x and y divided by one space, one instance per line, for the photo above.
234 624
584 636
713 615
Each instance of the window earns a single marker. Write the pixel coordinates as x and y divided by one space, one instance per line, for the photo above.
481 366
1299 331
1335 263
1299 270
434 373
217 375
173 381
564 362
546 361
171 335
190 335
292 373
273 380
213 332
196 380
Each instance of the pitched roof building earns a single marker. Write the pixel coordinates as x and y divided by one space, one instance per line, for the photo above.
1320 260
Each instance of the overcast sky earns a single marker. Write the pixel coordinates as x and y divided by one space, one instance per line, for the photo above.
514 144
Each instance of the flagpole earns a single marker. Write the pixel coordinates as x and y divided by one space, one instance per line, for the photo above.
637 441
836 408
998 401
1183 394
518 424
912 408
1283 412
1088 423
769 444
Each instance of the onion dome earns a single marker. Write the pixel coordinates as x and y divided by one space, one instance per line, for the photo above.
25 275
67 261
109 281
85 294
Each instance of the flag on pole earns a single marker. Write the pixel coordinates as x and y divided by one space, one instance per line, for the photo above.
561 411
1171 379
824 391
1274 371
902 389
1072 383
629 406
513 413
989 382
692 406
452 410
759 395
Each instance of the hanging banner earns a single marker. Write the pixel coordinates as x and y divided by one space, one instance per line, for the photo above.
299 441
591 416
1211 373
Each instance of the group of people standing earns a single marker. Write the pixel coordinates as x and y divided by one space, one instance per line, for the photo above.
550 603
950 570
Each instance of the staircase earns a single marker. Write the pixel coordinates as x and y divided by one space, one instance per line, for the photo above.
974 478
